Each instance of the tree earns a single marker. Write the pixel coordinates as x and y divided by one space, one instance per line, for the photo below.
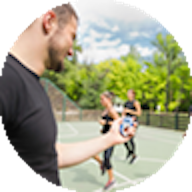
93 86
153 86
124 75
76 49
180 86
168 52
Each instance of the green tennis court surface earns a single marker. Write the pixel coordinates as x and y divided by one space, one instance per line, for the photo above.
154 147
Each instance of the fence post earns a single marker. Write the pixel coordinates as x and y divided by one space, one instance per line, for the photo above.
64 108
80 114
177 120
46 86
161 119
148 118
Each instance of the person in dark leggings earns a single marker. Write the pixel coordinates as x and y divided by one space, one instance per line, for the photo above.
132 108
106 122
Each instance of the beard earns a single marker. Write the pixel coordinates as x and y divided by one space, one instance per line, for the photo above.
55 63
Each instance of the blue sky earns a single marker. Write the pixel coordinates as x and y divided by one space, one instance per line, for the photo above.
107 29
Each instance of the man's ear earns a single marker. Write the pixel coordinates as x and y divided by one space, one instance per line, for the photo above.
48 20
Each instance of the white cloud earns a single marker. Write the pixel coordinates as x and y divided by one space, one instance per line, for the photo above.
93 37
96 51
88 40
99 12
107 35
96 54
123 49
103 24
94 19
115 28
94 34
135 34
109 16
144 34
107 43
109 9
145 51
159 29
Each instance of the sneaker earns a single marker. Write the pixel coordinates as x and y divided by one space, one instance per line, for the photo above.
110 185
133 160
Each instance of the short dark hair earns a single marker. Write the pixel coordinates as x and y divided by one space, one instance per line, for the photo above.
64 14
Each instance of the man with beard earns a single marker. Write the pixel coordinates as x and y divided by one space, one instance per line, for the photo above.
25 107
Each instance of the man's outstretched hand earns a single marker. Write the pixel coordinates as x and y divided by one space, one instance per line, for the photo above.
115 134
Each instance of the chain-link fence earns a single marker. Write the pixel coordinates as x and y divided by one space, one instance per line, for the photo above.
67 110
179 121
63 107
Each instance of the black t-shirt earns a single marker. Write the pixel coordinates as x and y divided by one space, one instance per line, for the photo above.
28 119
106 127
130 105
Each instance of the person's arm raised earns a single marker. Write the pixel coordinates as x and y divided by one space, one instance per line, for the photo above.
75 153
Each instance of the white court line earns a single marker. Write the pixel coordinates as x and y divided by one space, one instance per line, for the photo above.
141 179
138 135
127 180
127 183
158 133
119 175
123 184
153 160
142 159
72 128
157 139
161 130
123 177
141 136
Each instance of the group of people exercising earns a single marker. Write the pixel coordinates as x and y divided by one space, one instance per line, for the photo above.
132 109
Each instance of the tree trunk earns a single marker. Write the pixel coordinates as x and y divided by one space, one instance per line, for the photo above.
180 99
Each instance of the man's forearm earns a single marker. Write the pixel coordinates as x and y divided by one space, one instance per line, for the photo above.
72 154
